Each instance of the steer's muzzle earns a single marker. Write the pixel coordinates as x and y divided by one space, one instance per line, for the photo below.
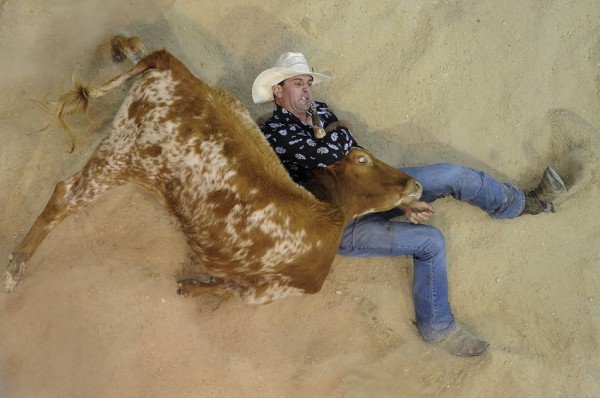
413 192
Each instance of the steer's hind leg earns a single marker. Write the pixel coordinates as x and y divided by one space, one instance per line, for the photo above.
69 196
191 286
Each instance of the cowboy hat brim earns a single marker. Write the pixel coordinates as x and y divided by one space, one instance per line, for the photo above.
262 88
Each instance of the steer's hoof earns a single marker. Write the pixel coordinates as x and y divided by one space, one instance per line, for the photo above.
190 287
12 275
10 282
124 48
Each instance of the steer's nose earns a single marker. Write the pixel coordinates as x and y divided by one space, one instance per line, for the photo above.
418 189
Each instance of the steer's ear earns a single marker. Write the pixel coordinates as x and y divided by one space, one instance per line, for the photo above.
335 168
338 124
318 130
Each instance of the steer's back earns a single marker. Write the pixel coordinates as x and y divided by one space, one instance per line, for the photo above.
199 149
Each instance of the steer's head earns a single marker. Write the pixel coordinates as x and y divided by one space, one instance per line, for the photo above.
361 184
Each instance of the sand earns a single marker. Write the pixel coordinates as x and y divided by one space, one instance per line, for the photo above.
505 87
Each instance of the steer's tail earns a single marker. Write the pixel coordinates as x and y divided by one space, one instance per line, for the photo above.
78 98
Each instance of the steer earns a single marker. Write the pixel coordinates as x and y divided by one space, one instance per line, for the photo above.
258 234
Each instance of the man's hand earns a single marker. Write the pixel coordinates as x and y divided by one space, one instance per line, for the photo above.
418 212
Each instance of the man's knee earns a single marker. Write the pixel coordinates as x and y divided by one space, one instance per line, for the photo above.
461 176
432 242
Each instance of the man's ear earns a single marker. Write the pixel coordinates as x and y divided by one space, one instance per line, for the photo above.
277 91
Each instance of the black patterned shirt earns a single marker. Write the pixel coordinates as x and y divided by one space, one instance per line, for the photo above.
296 145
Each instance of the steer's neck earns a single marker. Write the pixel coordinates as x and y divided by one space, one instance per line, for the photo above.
324 186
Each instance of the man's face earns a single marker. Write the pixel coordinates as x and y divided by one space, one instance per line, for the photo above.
295 93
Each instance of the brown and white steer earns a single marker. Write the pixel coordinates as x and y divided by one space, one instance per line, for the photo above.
261 236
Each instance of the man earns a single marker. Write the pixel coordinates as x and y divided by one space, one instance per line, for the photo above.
290 133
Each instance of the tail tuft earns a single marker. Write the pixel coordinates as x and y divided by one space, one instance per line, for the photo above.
123 47
71 102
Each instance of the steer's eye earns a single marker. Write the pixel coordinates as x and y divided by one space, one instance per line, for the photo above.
362 159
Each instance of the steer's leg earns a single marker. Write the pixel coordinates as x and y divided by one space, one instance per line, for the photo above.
69 196
252 291
337 124
201 284
130 48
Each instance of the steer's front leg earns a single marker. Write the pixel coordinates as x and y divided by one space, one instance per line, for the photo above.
12 275
17 261
54 212
68 197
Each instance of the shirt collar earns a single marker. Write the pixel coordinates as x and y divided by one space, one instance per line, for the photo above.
284 114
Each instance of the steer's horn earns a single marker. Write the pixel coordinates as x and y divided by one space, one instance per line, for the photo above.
318 129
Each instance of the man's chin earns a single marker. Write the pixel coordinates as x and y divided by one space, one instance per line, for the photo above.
304 104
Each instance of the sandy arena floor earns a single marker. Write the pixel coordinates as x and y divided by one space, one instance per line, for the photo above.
505 87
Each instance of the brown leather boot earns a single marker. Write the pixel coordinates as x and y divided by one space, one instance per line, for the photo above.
540 199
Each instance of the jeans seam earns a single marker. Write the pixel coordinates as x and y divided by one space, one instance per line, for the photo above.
433 293
386 247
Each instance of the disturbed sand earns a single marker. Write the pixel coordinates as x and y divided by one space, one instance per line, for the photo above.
505 87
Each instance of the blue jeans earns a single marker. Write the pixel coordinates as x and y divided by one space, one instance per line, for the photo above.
375 235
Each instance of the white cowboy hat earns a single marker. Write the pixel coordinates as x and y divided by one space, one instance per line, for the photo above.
288 65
